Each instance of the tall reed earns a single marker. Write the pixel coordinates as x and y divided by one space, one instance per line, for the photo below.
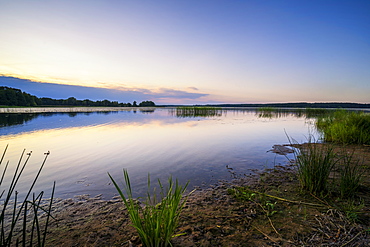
20 218
156 221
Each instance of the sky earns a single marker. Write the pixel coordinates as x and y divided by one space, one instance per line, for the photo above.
188 52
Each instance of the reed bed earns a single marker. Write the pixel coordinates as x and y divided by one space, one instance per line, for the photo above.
345 127
273 112
157 220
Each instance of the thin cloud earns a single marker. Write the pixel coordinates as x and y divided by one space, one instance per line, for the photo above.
172 93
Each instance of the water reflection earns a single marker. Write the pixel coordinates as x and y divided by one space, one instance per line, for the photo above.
23 122
150 111
85 146
10 119
15 119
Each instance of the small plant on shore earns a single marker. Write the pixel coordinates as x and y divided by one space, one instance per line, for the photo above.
156 221
259 199
269 207
352 209
242 193
20 221
245 194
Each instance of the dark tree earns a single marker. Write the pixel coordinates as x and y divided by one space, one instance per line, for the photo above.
71 101
147 103
15 97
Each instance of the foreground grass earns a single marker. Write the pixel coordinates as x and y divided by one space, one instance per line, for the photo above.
20 223
157 220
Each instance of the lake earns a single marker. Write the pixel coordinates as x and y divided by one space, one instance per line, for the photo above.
85 146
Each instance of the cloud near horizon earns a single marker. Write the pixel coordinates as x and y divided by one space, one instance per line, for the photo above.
120 94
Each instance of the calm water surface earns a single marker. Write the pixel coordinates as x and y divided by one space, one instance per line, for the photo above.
84 147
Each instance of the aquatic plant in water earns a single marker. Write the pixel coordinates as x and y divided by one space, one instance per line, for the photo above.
156 221
273 112
197 111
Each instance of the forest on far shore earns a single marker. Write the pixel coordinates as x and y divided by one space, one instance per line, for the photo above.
15 97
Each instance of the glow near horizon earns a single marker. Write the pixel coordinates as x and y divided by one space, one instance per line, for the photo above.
240 51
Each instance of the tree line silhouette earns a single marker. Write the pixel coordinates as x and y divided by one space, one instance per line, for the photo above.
15 97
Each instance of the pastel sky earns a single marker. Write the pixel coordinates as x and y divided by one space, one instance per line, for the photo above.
189 52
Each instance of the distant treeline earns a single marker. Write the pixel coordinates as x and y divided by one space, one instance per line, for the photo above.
300 105
15 97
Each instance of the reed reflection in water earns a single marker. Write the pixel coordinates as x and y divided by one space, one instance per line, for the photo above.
196 111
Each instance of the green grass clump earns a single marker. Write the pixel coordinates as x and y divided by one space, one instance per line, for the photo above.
156 221
20 219
314 163
320 164
345 127
351 172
